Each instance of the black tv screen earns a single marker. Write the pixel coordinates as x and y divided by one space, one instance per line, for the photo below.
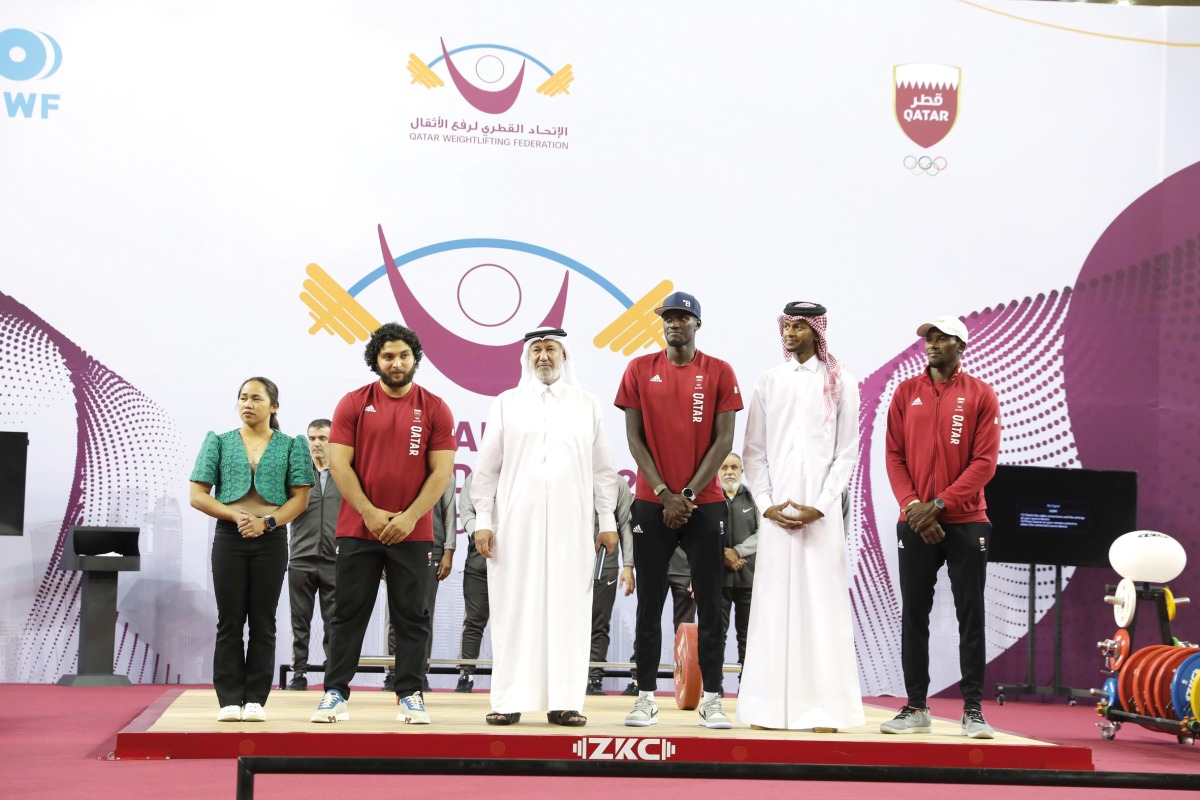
1068 517
14 455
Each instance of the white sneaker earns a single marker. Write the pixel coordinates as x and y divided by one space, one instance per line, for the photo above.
229 714
644 714
254 712
412 710
333 708
712 715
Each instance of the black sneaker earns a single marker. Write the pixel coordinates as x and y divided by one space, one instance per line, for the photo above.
299 682
389 682
596 686
465 684
631 690
425 685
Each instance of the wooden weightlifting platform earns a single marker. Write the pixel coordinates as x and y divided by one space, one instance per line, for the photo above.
182 724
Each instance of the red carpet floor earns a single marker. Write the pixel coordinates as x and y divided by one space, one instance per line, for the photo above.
57 741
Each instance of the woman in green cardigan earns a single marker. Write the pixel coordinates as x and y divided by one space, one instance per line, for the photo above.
262 477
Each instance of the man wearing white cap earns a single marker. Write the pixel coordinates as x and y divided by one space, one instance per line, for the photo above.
545 471
801 670
943 441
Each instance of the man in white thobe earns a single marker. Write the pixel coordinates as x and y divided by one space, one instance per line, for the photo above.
801 444
544 469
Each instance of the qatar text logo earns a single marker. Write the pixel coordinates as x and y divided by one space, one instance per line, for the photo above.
926 100
474 335
499 74
25 56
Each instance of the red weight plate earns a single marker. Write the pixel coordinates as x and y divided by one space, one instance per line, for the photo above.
1121 637
1138 676
1144 684
1125 680
688 681
1166 674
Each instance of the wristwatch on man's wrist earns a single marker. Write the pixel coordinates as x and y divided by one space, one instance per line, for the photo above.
689 495
940 503
269 524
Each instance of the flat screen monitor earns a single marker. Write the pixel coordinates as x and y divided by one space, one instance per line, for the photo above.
14 455
1065 517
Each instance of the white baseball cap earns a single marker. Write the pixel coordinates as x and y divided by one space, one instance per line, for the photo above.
951 326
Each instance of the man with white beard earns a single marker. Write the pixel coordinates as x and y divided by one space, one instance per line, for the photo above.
544 469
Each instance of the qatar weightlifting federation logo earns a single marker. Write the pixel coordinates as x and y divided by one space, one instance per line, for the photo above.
487 297
478 72
491 78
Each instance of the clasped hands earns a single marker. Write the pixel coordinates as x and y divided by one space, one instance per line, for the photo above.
923 518
783 516
389 527
249 526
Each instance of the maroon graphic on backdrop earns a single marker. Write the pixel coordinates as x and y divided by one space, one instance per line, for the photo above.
926 100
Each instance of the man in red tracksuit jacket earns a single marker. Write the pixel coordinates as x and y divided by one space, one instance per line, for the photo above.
943 439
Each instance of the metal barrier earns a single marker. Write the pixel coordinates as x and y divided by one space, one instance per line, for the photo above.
483 666
249 766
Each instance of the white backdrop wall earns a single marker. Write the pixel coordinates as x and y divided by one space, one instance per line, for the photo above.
174 170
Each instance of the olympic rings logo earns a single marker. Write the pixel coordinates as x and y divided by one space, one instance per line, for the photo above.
924 165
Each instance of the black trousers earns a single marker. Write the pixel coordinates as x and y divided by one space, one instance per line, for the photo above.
476 612
700 539
360 565
247 579
307 579
964 552
604 595
736 600
431 601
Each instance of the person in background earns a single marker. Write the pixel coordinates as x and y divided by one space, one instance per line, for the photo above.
312 565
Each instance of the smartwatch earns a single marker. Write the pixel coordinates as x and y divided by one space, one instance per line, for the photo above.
269 524
940 503
689 495
658 490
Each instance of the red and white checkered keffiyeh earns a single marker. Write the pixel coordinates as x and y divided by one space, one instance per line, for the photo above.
833 369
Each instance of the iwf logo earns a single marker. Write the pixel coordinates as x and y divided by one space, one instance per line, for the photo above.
24 56
608 748
488 76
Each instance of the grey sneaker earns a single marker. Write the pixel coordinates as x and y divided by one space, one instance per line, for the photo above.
713 716
909 720
974 726
412 710
644 714
333 708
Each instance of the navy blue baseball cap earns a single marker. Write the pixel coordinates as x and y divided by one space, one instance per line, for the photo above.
682 301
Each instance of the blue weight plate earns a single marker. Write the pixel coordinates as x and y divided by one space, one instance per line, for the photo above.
1181 685
1110 694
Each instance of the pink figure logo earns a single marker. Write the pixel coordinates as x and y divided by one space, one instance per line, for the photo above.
481 368
488 101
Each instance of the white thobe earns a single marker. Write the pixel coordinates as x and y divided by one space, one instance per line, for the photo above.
543 471
801 670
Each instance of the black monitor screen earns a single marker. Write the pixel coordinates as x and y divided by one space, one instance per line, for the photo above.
14 454
1069 517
